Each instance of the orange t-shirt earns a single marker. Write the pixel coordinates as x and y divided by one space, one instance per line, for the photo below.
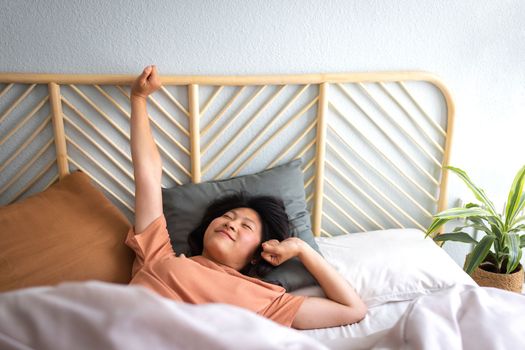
198 280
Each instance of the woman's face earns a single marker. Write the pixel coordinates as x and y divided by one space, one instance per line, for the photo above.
233 238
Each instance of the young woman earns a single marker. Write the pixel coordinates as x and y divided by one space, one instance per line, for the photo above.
236 232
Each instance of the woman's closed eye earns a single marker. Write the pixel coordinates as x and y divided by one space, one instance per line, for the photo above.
245 224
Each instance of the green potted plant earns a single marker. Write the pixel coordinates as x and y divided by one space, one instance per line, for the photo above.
495 258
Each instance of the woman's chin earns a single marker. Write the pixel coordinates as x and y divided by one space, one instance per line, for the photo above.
218 248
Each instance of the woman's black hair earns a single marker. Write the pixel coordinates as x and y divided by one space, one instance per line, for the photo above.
274 220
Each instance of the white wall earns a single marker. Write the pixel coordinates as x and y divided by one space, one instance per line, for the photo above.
477 47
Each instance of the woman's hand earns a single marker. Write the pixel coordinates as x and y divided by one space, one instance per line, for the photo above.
276 252
146 83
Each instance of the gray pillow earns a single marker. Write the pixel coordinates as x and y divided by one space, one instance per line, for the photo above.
184 207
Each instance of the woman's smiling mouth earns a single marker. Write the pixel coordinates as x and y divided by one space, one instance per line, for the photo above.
224 232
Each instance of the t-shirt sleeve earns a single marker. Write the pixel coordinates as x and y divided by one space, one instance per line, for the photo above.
151 244
284 309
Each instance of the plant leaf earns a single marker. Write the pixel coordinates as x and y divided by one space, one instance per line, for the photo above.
517 228
496 230
457 237
514 251
497 221
476 220
478 192
515 195
522 241
520 208
479 253
435 225
471 205
518 220
478 224
460 228
459 213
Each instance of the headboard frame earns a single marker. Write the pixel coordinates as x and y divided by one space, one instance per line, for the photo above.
373 144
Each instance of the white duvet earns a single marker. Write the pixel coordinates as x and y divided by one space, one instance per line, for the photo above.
95 315
462 317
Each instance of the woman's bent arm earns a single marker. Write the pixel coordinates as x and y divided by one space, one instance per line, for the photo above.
344 305
147 164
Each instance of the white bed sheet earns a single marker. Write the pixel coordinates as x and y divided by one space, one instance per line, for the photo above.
377 319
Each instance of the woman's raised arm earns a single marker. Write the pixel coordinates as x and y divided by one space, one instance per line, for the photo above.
147 164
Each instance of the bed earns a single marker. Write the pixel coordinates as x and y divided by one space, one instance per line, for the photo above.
363 152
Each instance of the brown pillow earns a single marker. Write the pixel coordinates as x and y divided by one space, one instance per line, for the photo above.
69 232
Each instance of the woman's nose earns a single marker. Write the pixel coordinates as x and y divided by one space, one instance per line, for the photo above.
230 225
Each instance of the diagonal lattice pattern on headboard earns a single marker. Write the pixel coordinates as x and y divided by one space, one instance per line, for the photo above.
373 145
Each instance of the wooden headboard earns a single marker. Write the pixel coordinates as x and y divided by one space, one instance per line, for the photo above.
373 144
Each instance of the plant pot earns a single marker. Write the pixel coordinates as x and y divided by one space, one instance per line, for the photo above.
512 281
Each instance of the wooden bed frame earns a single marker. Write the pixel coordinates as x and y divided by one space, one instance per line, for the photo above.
373 144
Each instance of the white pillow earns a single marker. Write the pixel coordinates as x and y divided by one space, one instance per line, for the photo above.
392 265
